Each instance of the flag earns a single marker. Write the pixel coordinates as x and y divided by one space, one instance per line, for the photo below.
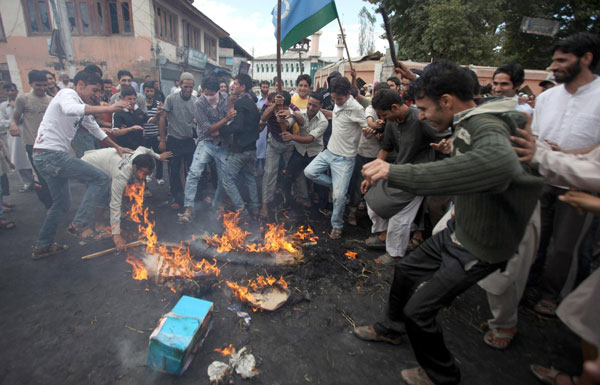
302 18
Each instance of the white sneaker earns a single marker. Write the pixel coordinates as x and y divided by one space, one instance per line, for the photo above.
148 178
160 181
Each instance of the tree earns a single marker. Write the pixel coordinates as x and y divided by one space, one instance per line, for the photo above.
366 43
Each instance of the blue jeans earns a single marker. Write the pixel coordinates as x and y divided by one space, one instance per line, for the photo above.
240 163
341 171
205 151
57 168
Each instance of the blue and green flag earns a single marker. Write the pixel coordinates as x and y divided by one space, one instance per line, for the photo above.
302 18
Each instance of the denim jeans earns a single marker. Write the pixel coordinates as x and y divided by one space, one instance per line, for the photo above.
205 151
240 163
57 168
275 151
341 171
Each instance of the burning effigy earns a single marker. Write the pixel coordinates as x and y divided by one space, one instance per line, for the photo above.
187 261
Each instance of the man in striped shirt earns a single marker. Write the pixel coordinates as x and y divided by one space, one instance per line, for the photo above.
151 129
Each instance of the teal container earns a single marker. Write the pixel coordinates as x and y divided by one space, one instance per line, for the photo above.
179 334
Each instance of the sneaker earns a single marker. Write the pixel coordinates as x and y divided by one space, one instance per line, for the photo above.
416 376
160 181
148 178
378 333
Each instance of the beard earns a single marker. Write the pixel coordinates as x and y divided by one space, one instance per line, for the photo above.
568 74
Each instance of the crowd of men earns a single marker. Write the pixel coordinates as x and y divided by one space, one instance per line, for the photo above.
462 184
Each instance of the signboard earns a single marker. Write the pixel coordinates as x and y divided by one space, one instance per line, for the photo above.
542 27
196 58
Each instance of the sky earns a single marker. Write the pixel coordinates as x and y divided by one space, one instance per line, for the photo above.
249 23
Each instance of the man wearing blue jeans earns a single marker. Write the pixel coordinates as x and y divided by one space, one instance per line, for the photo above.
211 115
242 152
348 120
66 113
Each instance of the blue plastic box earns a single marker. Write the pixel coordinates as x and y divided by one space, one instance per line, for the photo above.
179 334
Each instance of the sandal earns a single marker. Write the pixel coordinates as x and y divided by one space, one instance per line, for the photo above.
505 336
184 218
6 224
352 220
414 242
385 259
549 375
85 234
375 243
546 308
335 234
378 333
326 212
42 252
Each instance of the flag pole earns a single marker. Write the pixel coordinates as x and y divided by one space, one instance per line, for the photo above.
278 85
344 40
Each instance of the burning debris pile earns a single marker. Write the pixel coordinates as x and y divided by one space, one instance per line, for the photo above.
267 293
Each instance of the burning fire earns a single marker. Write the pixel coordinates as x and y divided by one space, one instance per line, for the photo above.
178 259
226 351
351 254
275 238
247 293
139 271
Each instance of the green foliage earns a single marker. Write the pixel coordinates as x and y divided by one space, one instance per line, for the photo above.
366 42
484 32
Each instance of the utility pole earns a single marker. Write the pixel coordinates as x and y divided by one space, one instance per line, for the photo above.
62 24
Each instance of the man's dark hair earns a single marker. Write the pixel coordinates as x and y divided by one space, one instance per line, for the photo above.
381 86
265 82
271 96
515 71
287 98
106 81
122 73
36 76
316 95
210 83
245 80
144 161
147 77
9 86
149 84
88 78
46 72
444 77
476 86
354 92
126 91
384 99
579 44
340 85
305 77
95 69
395 80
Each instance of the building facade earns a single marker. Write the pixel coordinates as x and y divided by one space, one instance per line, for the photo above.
161 38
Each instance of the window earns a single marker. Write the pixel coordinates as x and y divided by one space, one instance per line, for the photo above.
37 17
191 36
99 17
165 24
210 46
2 34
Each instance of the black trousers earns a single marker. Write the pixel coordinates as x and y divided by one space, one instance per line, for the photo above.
152 142
43 193
183 154
357 178
424 282
295 168
561 233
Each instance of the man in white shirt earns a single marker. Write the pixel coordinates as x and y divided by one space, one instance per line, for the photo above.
68 111
567 116
348 120
121 169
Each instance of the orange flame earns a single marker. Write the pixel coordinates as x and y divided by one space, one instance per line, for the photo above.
351 254
226 351
178 259
139 271
275 239
246 293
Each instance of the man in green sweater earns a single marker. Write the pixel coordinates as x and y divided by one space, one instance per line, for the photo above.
494 199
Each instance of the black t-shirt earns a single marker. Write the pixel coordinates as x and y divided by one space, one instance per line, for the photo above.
132 139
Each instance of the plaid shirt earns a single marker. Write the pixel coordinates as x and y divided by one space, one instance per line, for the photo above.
206 116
